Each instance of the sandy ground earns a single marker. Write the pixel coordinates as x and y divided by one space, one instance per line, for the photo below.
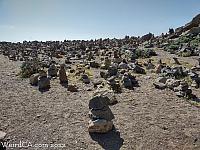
145 118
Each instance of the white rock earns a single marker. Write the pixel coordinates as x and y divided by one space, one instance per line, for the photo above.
100 126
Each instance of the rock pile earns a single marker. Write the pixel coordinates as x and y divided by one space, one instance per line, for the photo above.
43 81
52 71
183 90
62 75
100 115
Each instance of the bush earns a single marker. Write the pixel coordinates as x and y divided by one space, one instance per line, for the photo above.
29 67
145 53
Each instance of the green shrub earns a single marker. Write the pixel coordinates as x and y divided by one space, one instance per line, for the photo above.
28 68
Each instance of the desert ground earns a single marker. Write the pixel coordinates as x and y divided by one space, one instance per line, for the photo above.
146 118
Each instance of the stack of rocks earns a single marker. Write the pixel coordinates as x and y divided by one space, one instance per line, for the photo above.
100 115
128 81
52 70
62 75
114 84
85 78
195 79
106 64
183 90
43 81
149 65
112 70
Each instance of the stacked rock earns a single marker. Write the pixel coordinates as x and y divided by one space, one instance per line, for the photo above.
114 84
195 79
112 70
62 75
52 70
183 90
150 65
100 115
106 64
128 81
43 81
85 78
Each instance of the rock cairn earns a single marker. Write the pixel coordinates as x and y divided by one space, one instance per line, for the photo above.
43 81
62 75
100 114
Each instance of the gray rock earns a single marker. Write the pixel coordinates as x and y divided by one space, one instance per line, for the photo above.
104 113
98 102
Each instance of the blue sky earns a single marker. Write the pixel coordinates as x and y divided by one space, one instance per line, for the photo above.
89 19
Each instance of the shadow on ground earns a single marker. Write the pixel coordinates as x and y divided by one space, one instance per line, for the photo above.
108 141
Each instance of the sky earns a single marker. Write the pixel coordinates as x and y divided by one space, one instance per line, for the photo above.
91 19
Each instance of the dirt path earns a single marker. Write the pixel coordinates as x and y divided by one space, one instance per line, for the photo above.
145 119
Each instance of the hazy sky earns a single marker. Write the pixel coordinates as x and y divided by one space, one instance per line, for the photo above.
85 19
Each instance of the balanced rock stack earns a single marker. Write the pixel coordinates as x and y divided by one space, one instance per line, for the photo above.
52 70
129 81
183 90
43 81
100 115
62 75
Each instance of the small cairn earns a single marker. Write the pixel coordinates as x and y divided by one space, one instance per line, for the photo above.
100 115
114 84
183 90
62 75
52 70
43 81
128 81
85 78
